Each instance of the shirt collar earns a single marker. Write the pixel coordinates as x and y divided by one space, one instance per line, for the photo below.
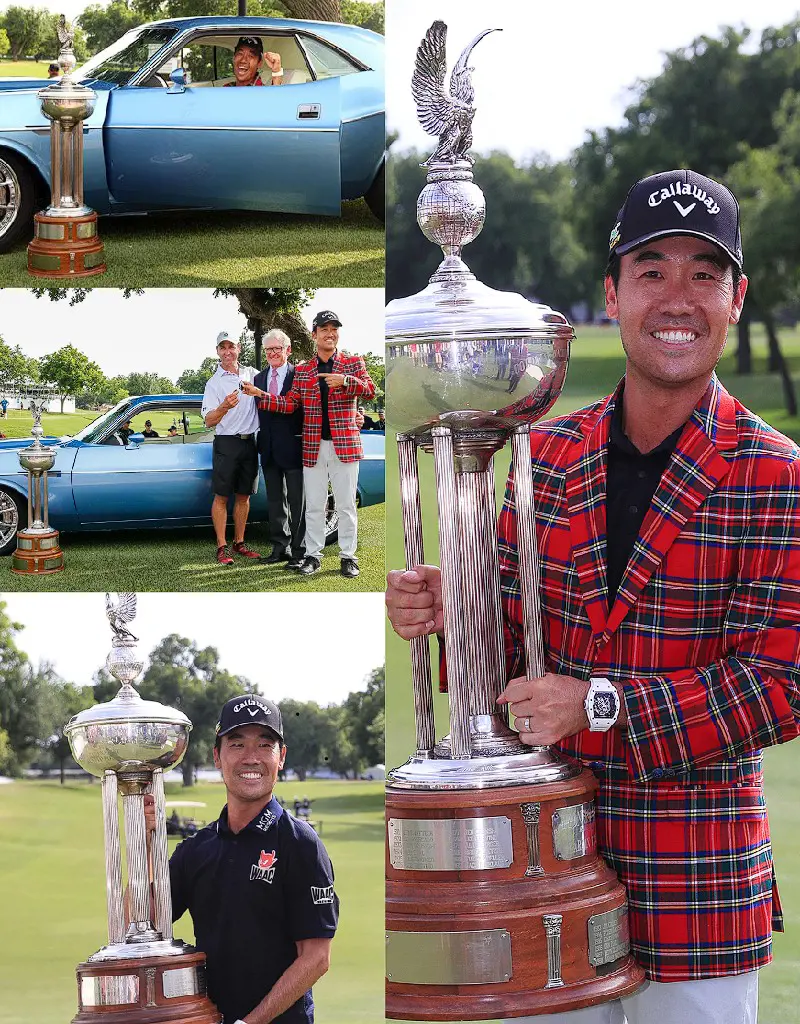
261 822
228 373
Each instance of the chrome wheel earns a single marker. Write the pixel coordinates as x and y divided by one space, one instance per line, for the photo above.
10 196
9 521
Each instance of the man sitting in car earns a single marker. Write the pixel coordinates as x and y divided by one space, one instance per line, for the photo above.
247 59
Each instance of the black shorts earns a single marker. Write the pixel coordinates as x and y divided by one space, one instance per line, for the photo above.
235 465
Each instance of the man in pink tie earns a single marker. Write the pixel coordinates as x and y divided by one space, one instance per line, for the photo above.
280 447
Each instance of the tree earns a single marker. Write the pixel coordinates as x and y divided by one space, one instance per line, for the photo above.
149 384
48 44
70 371
194 381
307 732
367 15
5 46
104 25
62 700
376 368
356 728
16 369
23 26
108 391
268 308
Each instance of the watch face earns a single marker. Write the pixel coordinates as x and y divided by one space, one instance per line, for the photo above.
604 705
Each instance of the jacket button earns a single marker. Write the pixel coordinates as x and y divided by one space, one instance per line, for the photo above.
669 771
657 773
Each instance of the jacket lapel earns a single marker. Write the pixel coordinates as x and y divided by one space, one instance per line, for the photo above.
585 483
694 471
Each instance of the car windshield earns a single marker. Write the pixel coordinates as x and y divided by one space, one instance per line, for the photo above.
94 430
118 63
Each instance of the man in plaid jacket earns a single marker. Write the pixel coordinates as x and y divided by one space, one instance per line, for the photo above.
328 387
667 524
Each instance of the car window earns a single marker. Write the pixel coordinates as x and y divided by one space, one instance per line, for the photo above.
187 422
327 62
208 60
118 65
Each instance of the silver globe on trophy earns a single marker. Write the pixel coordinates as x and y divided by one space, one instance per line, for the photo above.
37 552
143 975
497 902
65 242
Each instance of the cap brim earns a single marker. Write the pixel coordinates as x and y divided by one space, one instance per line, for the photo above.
241 725
626 247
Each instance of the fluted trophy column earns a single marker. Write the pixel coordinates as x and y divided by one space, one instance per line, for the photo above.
497 904
143 975
38 552
65 242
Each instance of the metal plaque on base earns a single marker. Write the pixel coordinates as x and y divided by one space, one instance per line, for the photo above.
66 242
143 975
497 904
37 552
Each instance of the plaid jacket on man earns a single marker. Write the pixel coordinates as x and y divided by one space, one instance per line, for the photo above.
345 434
705 635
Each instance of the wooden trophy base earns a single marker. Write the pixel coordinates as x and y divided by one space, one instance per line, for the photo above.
497 904
147 990
65 247
37 554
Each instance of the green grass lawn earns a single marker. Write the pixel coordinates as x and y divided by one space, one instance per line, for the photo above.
236 249
24 68
52 891
596 365
18 422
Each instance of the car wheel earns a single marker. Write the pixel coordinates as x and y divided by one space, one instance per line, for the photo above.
376 195
12 519
17 200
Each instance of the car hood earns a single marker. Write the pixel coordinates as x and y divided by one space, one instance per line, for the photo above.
15 443
33 85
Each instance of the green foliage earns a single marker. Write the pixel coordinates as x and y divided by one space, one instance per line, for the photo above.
308 731
376 368
104 25
15 367
70 371
192 382
48 44
23 26
5 43
6 753
152 10
367 15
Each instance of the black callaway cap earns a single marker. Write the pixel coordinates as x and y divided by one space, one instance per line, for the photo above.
253 42
679 202
250 709
325 317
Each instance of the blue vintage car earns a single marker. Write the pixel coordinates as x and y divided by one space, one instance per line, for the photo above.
99 482
165 134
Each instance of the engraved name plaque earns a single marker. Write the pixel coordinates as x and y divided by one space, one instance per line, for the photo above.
609 937
574 833
449 958
450 844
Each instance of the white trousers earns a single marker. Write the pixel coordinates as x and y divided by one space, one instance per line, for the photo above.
343 477
732 1000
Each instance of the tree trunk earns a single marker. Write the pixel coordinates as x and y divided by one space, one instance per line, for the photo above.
301 774
314 10
251 306
61 764
744 353
62 402
777 359
242 8
187 770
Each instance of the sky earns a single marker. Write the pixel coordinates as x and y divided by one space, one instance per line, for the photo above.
165 330
311 646
556 69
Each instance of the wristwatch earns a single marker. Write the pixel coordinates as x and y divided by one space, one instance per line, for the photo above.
601 705
345 381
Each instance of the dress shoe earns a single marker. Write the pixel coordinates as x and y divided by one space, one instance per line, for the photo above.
275 556
310 566
350 568
295 561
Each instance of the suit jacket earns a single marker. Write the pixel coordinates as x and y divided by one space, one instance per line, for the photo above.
280 438
342 402
705 636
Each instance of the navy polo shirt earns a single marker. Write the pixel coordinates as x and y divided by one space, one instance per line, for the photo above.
252 895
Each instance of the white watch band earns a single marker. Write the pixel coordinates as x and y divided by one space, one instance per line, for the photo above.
276 74
602 705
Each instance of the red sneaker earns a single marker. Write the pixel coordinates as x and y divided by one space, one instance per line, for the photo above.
224 556
240 548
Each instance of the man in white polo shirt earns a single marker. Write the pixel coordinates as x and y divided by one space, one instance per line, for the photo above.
234 417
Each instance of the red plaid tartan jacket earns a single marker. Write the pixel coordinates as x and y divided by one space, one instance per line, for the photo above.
705 636
304 392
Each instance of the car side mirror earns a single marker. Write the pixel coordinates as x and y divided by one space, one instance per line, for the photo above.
178 79
134 440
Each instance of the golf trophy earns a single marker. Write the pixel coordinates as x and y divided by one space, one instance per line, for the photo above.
37 552
65 242
143 975
497 902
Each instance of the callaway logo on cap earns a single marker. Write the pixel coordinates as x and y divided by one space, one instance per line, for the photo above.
679 202
250 709
326 317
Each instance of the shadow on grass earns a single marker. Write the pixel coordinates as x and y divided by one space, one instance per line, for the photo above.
364 832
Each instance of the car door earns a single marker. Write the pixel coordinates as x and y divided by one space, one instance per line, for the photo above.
257 148
144 484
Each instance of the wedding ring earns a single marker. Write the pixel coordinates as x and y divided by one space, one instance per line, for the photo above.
527 725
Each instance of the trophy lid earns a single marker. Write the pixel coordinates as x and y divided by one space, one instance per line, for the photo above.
128 707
